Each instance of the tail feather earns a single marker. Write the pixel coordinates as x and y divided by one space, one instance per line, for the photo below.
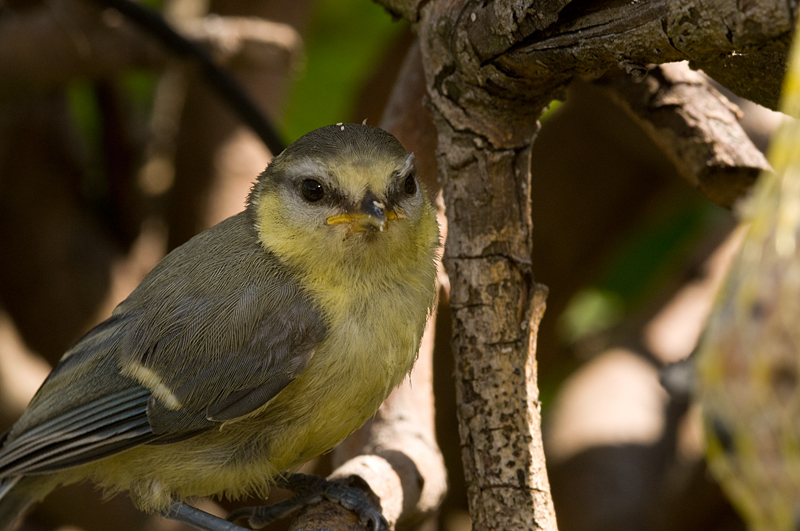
17 494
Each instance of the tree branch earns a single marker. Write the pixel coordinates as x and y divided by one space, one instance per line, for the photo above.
695 126
553 41
46 47
484 160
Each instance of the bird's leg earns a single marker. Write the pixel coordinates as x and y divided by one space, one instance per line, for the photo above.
200 519
309 490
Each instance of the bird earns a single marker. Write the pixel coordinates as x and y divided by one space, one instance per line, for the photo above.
254 347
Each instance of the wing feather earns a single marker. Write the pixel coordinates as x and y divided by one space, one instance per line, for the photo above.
219 325
93 430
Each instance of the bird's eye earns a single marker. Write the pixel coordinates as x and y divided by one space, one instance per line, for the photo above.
312 190
410 186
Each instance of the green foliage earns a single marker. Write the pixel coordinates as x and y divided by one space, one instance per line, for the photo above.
139 87
134 91
589 311
85 110
654 249
648 256
346 40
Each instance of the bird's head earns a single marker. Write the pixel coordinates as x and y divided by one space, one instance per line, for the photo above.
344 195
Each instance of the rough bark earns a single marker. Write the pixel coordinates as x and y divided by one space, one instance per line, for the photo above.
695 126
552 41
496 307
484 161
492 67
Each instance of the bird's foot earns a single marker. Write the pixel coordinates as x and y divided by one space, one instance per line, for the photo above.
193 516
310 490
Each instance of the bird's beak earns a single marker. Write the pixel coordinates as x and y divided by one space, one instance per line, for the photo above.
371 216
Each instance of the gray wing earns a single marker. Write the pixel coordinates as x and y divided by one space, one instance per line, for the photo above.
218 320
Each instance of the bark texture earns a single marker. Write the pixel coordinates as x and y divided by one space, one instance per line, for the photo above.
484 166
695 126
496 308
552 41
492 68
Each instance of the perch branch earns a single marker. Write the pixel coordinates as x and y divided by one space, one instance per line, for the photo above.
695 126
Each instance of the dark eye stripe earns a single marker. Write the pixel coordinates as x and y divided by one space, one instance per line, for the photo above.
410 185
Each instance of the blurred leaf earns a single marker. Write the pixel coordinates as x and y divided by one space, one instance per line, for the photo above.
347 39
85 111
590 311
641 263
654 249
139 86
554 105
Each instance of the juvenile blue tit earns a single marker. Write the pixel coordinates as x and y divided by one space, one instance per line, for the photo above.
254 347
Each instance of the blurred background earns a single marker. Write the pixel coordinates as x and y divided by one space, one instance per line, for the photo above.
112 153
